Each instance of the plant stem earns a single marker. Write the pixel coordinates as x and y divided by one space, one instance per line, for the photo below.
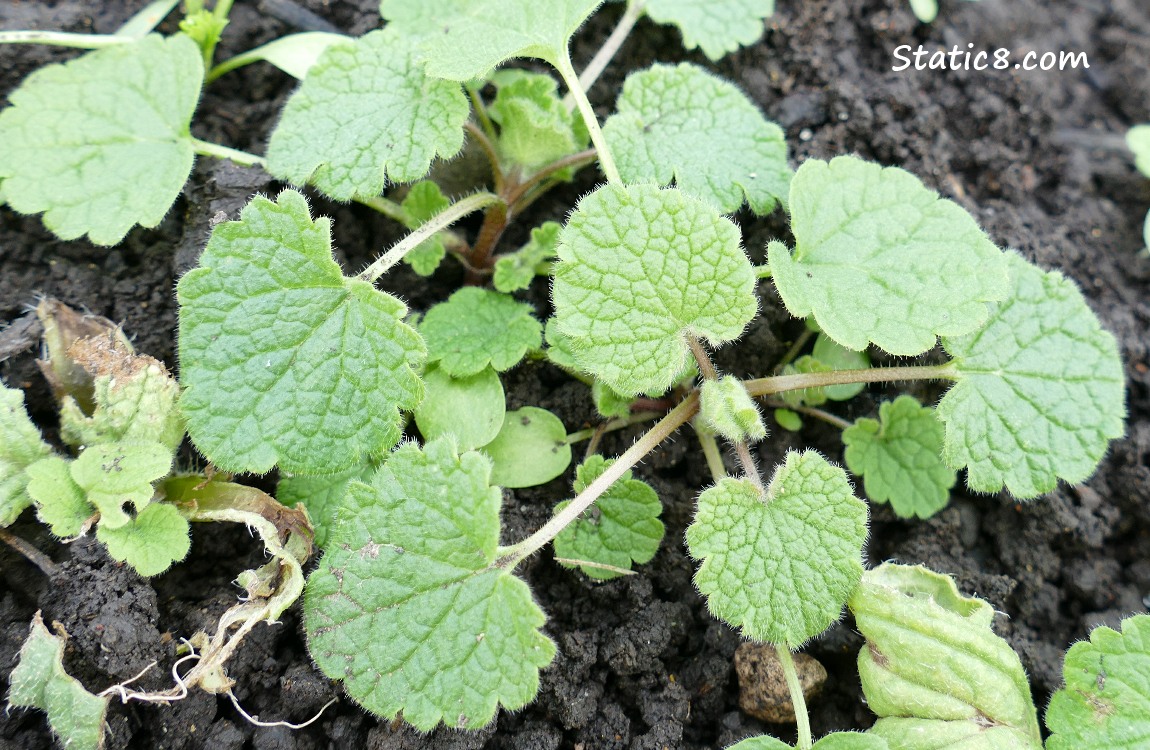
494 224
488 147
606 161
615 424
580 159
798 700
712 453
706 366
449 216
779 383
220 12
243 158
676 418
147 19
747 461
605 54
63 39
832 419
796 347
33 555
387 207
480 109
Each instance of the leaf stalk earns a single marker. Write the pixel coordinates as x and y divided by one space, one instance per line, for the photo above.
798 700
243 158
571 79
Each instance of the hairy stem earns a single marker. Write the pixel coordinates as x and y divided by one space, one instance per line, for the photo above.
449 216
480 109
747 461
796 347
614 424
798 700
606 161
711 452
243 158
63 39
495 222
607 52
387 207
706 366
676 418
780 383
578 160
488 147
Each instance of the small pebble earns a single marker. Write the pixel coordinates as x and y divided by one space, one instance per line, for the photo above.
763 690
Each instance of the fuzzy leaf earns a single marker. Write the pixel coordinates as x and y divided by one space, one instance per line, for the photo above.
882 259
1105 704
838 357
322 496
835 741
469 409
366 114
295 54
779 566
530 449
475 328
535 128
899 457
608 403
679 122
20 447
111 474
283 359
420 18
932 668
517 270
421 203
60 502
151 541
39 681
1040 390
727 409
1138 139
102 143
559 346
718 26
484 33
622 527
640 269
407 607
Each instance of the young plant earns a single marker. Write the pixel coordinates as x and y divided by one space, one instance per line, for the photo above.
1138 139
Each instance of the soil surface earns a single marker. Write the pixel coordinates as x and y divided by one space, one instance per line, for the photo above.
1036 157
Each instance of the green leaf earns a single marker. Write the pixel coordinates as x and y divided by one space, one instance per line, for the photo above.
469 409
20 447
1105 703
932 668
718 26
420 18
681 123
150 542
727 409
476 328
423 201
814 396
294 54
788 420
640 269
408 607
204 27
366 114
1040 390
780 564
283 360
899 457
483 33
559 347
39 681
838 357
535 128
608 403
1138 139
622 527
102 143
517 270
111 474
530 449
322 496
60 502
924 10
880 258
835 741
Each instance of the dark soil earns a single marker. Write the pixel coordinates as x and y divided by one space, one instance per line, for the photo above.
1036 157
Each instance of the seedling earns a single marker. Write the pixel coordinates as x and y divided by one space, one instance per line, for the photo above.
288 363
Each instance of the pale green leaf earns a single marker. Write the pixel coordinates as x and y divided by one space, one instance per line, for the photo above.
814 396
39 681
20 447
60 502
1138 139
880 258
726 409
608 403
102 143
1040 390
835 741
932 668
420 18
531 448
423 201
717 26
111 474
469 409
1105 703
780 564
924 10
640 269
294 54
157 537
484 33
622 526
366 114
283 359
476 328
322 496
535 128
838 357
559 347
204 27
788 420
517 270
407 606
899 457
683 124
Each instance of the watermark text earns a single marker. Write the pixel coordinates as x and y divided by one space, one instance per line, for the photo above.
957 58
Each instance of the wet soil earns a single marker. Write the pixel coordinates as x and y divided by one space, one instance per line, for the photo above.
1036 157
